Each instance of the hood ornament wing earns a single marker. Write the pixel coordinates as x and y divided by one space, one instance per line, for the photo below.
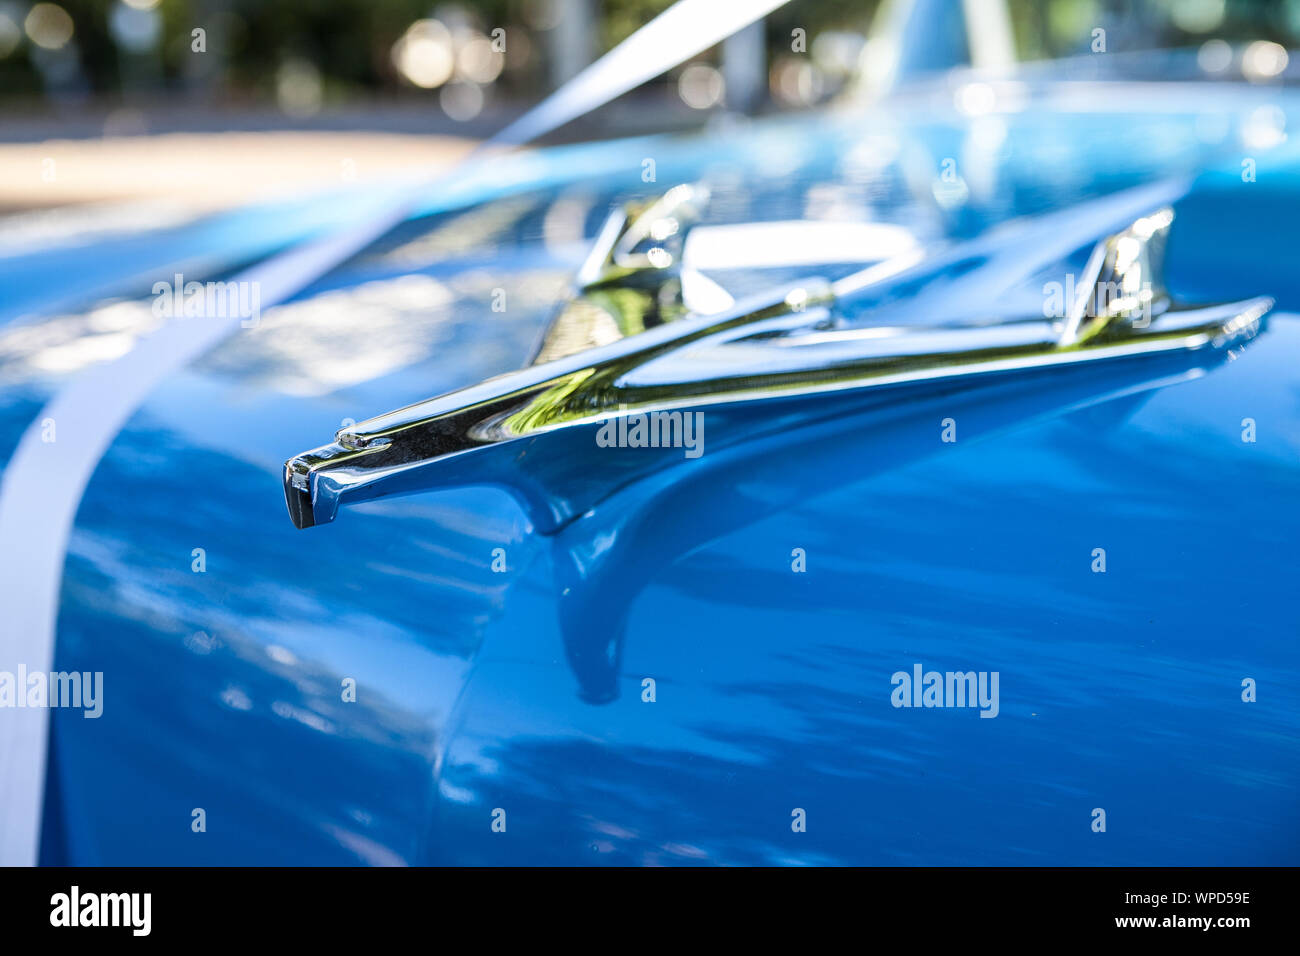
634 277
774 361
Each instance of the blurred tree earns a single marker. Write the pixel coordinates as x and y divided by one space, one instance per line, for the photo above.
345 47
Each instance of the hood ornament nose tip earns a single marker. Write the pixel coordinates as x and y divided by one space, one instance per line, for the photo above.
298 474
297 493
789 343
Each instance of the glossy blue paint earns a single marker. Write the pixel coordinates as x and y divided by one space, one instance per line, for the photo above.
67 274
521 689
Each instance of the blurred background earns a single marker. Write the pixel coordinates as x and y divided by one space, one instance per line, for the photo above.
206 103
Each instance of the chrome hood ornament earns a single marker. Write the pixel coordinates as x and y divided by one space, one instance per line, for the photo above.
771 362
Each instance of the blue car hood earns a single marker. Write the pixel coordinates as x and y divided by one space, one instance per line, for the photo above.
680 671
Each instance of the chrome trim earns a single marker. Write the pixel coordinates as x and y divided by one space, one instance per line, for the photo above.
753 360
633 277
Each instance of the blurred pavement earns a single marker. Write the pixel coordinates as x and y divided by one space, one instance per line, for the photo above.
200 172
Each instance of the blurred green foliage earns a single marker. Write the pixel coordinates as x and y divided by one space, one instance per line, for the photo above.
348 41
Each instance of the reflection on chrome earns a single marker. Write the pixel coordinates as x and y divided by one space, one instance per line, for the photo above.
530 430
635 277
